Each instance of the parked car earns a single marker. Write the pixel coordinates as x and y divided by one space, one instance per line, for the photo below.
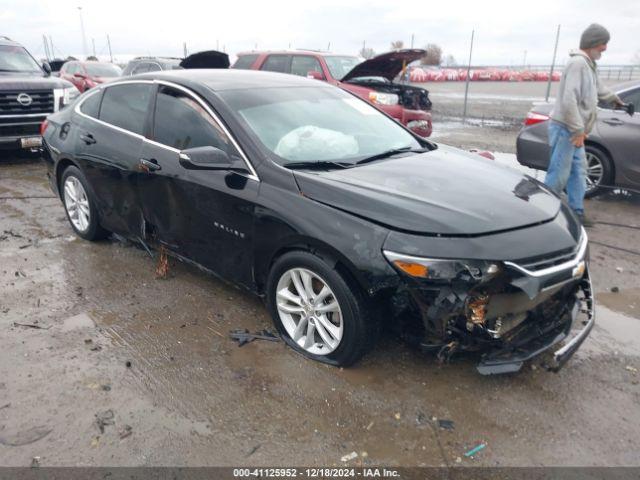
151 64
28 93
372 80
611 148
338 215
86 75
204 59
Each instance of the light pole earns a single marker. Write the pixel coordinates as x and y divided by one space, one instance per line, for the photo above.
84 38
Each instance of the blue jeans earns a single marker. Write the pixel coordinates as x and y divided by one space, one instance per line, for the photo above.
567 167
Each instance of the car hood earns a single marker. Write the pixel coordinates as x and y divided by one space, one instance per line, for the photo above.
206 59
442 192
28 82
387 65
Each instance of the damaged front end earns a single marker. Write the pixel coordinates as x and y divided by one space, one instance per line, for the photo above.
507 311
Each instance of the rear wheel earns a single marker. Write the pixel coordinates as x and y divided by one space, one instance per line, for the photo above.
80 205
318 311
599 171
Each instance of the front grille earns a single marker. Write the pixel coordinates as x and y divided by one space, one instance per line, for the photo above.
541 262
41 102
19 130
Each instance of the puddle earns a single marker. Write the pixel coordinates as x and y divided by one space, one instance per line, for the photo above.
614 332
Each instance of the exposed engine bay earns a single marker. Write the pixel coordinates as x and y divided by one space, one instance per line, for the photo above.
410 97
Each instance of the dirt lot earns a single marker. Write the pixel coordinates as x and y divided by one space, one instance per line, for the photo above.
152 359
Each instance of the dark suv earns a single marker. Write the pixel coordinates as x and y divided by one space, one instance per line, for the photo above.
372 80
28 93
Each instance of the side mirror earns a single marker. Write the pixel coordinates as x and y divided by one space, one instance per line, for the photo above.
209 158
315 75
47 68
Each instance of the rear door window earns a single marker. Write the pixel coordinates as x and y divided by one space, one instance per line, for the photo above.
277 63
125 106
245 62
303 64
181 122
91 106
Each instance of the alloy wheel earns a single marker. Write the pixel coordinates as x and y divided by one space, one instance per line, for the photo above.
77 203
309 311
595 172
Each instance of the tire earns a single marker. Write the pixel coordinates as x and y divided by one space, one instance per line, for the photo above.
80 205
352 327
599 171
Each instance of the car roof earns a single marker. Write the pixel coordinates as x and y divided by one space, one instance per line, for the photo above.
7 41
230 79
319 53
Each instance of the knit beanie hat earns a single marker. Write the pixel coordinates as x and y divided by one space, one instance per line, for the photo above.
593 36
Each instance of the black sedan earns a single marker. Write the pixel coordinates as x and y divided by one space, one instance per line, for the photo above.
341 218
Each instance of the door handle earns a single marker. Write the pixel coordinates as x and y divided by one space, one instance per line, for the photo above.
613 121
149 165
87 138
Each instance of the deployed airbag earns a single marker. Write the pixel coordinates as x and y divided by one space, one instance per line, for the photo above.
314 143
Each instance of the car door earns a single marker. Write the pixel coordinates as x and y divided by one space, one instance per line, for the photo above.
108 148
203 215
621 135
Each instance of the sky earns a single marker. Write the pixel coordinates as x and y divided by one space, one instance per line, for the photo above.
506 32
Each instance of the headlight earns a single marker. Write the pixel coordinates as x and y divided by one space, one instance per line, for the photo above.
65 96
384 98
69 94
440 269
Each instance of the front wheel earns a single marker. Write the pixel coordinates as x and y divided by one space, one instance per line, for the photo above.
318 311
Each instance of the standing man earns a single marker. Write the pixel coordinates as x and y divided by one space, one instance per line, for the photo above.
574 115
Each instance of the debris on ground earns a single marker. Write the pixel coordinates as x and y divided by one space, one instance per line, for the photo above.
162 269
458 459
397 416
35 462
253 450
128 364
615 289
105 388
5 406
25 437
125 432
619 269
95 441
349 456
244 336
369 426
446 424
631 369
31 325
104 419
475 450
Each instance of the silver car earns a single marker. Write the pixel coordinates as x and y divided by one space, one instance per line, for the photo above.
612 148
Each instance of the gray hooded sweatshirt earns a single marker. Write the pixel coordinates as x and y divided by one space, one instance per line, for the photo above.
578 95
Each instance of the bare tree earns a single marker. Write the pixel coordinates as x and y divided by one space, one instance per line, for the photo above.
449 61
397 45
433 55
366 52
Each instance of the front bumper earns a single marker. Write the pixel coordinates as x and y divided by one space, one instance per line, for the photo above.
507 361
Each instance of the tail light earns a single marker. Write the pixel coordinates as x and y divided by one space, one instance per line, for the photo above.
533 118
43 127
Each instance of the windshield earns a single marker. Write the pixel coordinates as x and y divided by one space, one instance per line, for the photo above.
16 59
102 70
317 124
340 66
